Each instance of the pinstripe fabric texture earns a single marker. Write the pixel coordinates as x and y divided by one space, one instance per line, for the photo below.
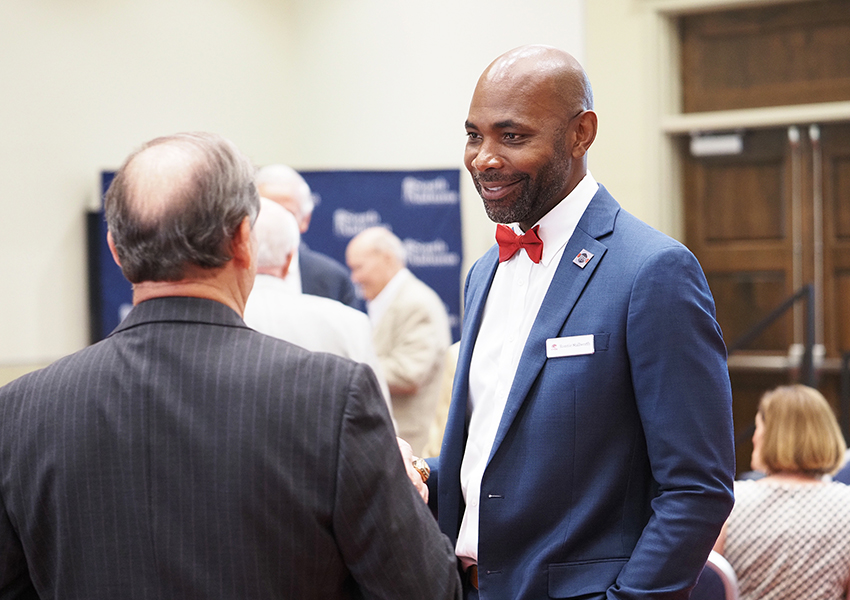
187 456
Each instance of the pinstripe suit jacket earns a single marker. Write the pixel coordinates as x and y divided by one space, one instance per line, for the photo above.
188 456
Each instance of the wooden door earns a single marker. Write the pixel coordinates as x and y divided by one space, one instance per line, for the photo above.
763 223
775 216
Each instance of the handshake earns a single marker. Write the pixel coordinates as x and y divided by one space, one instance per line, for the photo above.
417 469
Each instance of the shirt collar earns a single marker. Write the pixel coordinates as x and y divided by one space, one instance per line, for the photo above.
557 226
376 307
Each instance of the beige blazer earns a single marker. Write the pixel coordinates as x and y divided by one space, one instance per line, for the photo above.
411 339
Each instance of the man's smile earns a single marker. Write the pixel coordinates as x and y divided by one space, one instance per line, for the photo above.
495 190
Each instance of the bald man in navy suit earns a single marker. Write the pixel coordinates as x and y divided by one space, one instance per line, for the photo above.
312 272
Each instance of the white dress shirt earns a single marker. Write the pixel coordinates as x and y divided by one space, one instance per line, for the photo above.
515 296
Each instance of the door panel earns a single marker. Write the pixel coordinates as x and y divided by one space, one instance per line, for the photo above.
738 226
835 141
790 53
763 223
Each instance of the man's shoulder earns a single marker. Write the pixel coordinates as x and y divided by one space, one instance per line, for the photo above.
415 292
332 309
58 378
64 367
633 225
277 352
627 228
313 260
321 275
100 362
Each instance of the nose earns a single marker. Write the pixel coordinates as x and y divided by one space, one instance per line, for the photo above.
485 156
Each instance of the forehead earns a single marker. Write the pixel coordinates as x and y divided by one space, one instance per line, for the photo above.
513 100
359 252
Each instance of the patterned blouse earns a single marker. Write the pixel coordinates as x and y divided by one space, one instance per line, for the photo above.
789 541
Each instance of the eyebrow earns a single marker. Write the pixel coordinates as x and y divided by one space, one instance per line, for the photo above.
507 124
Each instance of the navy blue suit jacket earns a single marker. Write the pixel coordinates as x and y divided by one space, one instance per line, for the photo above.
323 276
611 473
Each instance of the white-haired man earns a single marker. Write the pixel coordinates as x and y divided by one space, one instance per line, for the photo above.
312 322
410 329
311 272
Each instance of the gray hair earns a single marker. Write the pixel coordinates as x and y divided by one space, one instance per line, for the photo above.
285 181
381 239
177 202
277 234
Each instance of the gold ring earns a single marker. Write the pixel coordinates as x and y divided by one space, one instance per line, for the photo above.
422 467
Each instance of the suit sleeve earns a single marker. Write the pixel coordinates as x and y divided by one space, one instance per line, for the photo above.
683 396
387 536
14 575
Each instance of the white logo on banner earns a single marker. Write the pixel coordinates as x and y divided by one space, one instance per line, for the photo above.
427 191
347 224
430 254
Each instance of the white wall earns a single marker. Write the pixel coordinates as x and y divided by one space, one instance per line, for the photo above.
630 61
84 83
315 83
388 84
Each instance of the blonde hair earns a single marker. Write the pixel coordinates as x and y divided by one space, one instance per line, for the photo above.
801 434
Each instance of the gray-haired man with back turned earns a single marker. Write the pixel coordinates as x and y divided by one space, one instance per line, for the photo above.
188 456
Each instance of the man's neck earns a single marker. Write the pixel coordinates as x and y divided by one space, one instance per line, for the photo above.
279 272
220 285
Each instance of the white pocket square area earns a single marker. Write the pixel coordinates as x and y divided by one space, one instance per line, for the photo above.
574 345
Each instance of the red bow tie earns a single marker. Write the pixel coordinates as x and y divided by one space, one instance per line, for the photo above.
510 243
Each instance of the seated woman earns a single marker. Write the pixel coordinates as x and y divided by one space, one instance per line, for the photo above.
789 533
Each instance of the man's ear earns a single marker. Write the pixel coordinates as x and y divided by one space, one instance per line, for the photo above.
585 133
284 268
112 249
243 245
304 225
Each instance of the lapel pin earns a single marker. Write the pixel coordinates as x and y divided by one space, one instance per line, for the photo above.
583 258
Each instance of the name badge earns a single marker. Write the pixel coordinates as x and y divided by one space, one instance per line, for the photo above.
575 345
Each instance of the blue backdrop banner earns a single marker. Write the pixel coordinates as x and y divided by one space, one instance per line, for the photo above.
421 207
110 295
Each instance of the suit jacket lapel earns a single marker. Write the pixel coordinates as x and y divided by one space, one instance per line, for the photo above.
564 291
450 500
481 277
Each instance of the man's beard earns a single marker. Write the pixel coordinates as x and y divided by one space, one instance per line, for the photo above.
534 193
500 211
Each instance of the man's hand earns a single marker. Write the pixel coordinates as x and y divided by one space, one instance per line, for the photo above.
413 474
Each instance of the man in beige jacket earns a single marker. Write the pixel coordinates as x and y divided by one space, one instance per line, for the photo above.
410 329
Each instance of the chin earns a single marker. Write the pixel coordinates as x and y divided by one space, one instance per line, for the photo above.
499 213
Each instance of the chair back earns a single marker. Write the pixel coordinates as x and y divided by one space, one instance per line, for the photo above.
717 581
